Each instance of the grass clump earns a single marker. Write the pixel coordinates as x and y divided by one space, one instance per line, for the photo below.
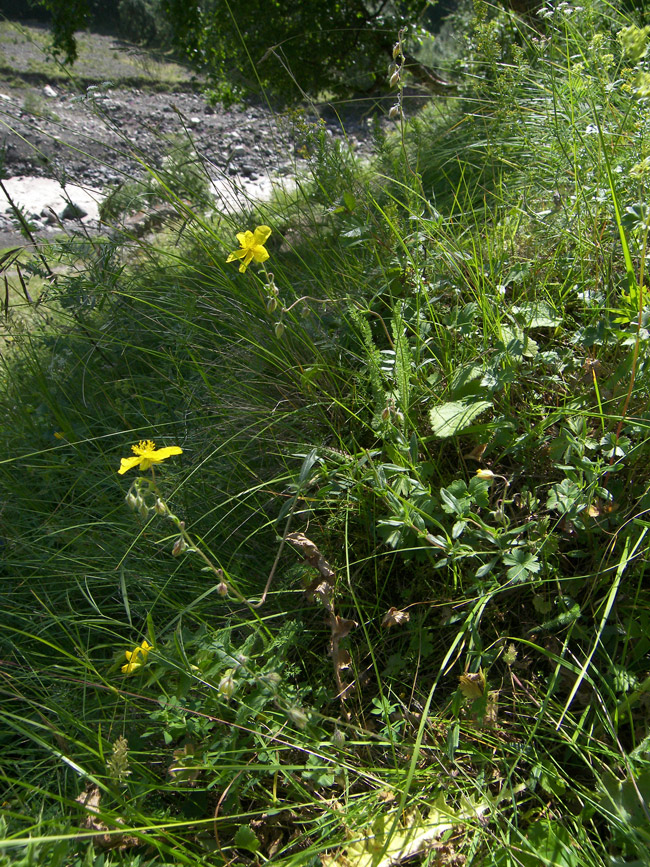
387 599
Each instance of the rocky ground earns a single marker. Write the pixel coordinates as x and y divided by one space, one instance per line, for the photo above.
97 135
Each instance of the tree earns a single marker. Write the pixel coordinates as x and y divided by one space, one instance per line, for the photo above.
290 48
284 49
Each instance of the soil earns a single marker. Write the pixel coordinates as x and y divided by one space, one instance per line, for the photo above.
96 133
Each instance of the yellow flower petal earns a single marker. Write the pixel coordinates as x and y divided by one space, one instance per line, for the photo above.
245 238
238 254
167 452
261 234
127 464
146 455
130 667
260 254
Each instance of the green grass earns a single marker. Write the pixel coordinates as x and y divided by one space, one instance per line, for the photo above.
474 300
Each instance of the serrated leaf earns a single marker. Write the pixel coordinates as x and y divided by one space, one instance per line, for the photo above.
450 419
246 838
522 563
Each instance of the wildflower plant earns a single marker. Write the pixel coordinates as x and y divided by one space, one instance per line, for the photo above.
137 657
147 455
252 247
469 317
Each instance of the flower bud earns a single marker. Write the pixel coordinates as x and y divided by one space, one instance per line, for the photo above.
222 588
297 716
227 685
395 113
486 475
397 50
131 501
143 509
279 329
271 304
338 738
394 79
180 545
161 507
385 414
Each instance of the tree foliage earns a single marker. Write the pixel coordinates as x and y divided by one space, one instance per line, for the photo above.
283 49
289 48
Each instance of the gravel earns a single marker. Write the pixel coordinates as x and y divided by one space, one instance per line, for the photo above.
103 137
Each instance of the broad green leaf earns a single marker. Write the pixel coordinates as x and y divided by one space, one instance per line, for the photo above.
537 315
450 419
245 838
522 563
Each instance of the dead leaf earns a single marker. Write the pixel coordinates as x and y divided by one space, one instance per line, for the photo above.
90 801
472 684
312 555
477 452
491 715
395 617
345 660
322 590
341 627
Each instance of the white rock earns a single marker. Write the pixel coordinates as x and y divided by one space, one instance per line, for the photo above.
44 195
50 91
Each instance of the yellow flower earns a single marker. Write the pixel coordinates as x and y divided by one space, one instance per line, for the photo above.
147 455
134 656
486 475
252 247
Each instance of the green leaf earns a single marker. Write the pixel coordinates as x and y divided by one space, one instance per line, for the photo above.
627 799
449 419
563 496
245 838
522 564
552 845
538 314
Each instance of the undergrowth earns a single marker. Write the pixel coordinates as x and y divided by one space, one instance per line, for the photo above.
385 597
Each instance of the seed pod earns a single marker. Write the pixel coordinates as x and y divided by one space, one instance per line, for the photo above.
394 79
271 304
279 329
